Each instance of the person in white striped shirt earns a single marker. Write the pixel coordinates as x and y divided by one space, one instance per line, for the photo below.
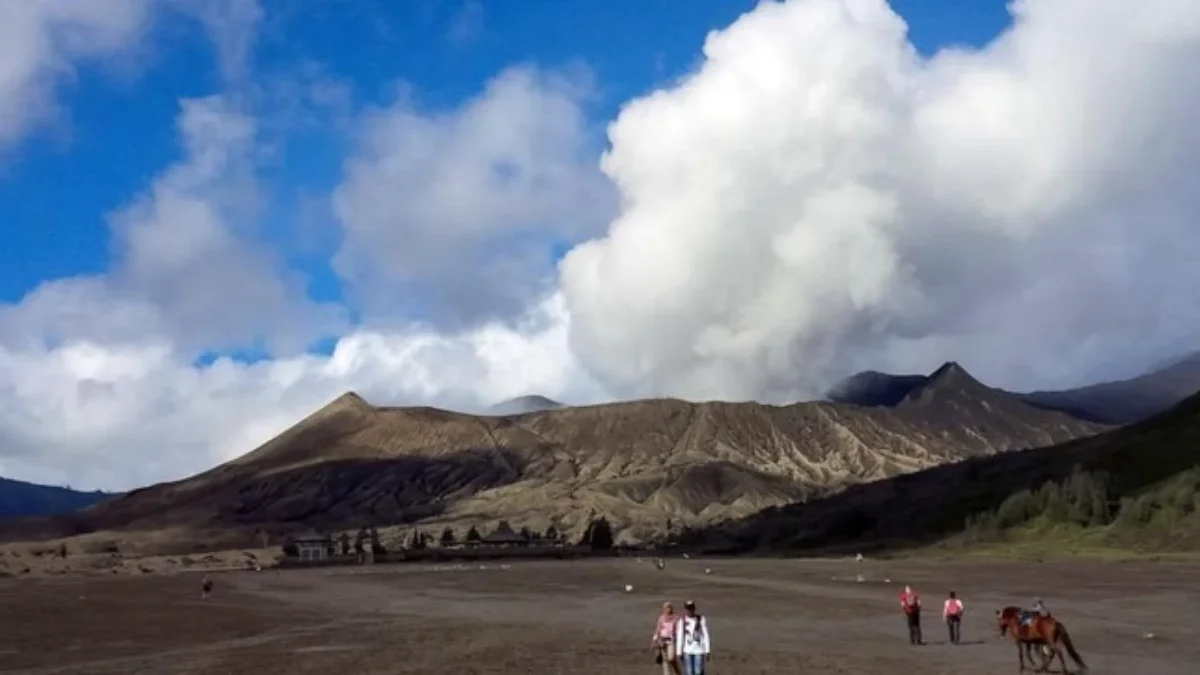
692 640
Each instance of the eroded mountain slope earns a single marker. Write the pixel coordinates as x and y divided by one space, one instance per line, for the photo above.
640 463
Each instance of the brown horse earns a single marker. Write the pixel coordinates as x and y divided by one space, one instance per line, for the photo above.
1044 631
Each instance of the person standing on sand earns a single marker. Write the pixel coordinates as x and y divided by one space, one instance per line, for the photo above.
663 640
910 603
692 640
206 585
952 612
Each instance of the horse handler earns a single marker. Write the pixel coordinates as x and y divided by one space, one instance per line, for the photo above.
910 604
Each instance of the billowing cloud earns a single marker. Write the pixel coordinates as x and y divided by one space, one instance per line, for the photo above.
817 198
461 208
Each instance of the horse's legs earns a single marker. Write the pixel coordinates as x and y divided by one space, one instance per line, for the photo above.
1057 651
1045 664
1021 655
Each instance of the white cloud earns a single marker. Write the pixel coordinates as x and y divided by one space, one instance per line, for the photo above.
126 415
40 43
188 268
462 206
189 247
815 198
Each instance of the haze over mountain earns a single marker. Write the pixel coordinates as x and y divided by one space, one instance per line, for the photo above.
1126 401
638 463
524 404
1117 402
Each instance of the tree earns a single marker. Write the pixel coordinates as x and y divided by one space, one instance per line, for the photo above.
377 548
473 534
526 534
598 535
552 533
344 540
417 541
1017 509
448 537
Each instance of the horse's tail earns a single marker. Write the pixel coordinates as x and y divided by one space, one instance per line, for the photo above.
1066 640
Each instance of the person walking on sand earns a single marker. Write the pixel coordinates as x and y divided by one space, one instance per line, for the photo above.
952 612
663 640
692 640
910 603
206 585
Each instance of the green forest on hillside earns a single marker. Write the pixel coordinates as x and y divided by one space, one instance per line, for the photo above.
1136 488
1161 518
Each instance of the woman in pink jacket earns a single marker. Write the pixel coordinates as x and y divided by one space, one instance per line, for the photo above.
663 640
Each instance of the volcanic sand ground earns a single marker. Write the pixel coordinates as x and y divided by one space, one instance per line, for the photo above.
558 617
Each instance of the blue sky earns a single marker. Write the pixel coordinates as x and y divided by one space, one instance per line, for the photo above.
58 184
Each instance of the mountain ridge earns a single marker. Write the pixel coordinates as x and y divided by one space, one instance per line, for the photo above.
1115 402
19 499
638 462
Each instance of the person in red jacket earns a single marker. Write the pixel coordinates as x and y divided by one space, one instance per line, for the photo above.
910 604
952 612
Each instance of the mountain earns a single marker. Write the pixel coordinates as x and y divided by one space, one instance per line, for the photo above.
18 499
1126 401
1115 403
874 389
524 404
1137 486
639 463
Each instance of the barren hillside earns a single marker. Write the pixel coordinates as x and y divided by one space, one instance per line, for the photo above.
1135 487
639 462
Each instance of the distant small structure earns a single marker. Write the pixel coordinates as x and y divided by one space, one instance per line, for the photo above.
312 547
504 535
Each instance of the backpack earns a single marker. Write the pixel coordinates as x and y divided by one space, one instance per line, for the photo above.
698 632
